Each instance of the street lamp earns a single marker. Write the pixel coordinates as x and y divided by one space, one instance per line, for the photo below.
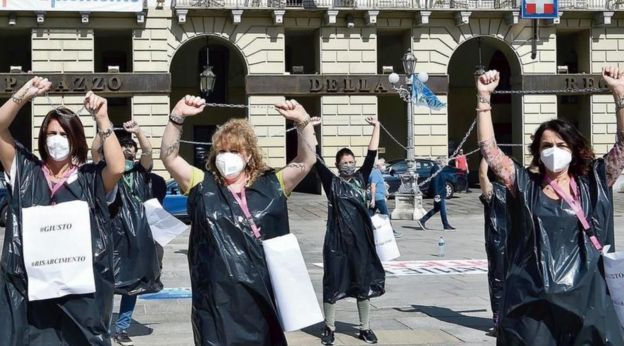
207 78
409 198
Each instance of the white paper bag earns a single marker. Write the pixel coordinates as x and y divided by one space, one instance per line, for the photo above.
57 250
296 301
387 248
165 227
614 275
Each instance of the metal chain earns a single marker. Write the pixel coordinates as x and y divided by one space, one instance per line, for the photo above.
453 156
554 91
231 105
392 137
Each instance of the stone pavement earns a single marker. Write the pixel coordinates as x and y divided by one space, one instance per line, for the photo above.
416 309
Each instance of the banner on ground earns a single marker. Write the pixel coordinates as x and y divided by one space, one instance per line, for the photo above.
73 5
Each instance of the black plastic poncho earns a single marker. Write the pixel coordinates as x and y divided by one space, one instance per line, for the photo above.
70 320
495 215
233 301
137 269
555 292
350 262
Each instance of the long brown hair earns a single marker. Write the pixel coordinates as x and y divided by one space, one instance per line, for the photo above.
582 153
237 134
70 122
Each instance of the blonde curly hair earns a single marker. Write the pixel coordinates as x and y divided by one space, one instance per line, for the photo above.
237 135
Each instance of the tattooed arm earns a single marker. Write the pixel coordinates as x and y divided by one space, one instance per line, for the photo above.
179 169
500 163
614 160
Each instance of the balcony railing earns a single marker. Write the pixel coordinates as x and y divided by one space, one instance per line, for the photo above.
594 5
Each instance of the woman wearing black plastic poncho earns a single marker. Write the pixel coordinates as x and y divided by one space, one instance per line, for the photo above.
555 293
233 205
351 267
60 176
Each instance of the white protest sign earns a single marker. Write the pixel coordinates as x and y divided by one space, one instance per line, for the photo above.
165 227
294 295
72 5
385 243
614 275
57 250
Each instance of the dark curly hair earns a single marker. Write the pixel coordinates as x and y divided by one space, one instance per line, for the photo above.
582 153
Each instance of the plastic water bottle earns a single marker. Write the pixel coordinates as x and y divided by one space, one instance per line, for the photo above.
441 247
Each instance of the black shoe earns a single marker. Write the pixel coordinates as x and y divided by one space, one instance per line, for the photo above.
368 336
449 228
123 339
492 332
327 337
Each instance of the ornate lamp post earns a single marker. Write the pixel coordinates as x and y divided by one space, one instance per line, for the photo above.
409 198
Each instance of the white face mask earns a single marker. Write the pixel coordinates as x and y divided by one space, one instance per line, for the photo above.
58 147
230 165
556 159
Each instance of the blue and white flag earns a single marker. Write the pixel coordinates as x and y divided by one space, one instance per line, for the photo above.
423 96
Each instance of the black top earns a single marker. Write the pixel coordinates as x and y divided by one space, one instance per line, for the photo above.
71 320
137 269
559 294
232 294
351 265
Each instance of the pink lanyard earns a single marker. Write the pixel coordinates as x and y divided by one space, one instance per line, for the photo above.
242 201
55 187
575 203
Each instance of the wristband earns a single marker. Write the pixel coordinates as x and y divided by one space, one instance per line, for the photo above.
479 110
176 119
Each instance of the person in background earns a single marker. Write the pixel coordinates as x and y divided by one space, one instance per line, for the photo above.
136 261
493 196
462 163
351 265
438 186
379 193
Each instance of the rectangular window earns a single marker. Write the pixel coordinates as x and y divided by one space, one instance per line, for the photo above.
302 52
113 48
391 46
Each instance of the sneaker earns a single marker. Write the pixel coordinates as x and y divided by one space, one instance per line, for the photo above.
422 225
492 332
397 234
123 339
327 337
368 336
449 228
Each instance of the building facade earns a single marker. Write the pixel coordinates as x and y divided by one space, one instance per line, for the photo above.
331 56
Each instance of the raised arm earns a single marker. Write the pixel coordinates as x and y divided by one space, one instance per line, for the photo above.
615 158
500 163
146 147
35 87
179 169
96 149
484 181
373 145
112 150
301 165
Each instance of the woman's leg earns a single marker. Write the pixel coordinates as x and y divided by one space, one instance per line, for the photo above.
330 315
363 310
